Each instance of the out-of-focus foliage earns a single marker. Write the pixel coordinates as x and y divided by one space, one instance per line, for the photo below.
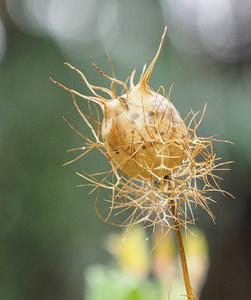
49 231
126 277
105 283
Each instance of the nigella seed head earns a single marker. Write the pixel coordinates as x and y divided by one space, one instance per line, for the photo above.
157 161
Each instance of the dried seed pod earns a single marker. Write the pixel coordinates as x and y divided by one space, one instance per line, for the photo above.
142 130
165 168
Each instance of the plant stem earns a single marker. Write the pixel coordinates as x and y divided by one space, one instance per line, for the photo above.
182 253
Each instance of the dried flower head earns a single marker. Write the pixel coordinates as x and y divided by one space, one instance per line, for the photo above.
160 168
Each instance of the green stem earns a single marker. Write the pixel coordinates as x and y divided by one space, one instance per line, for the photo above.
182 253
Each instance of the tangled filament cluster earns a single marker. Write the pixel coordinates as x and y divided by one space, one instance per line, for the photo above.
150 201
160 168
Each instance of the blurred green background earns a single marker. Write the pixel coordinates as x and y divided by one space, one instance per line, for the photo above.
49 231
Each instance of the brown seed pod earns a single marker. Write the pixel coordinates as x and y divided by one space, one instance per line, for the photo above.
142 134
161 169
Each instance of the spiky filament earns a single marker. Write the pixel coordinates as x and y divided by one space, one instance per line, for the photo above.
144 79
146 75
